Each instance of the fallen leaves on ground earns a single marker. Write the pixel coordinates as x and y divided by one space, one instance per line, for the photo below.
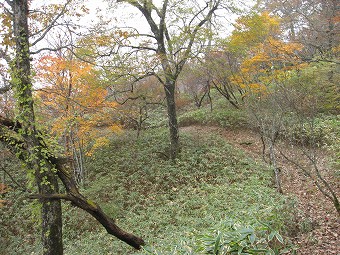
318 223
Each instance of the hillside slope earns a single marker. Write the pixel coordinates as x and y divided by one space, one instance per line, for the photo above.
317 224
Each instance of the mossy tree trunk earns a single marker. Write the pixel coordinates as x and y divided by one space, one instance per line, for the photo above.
36 157
23 138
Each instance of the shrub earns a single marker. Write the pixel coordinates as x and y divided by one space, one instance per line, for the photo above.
234 238
224 117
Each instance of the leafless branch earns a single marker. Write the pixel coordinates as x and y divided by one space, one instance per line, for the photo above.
51 25
12 179
50 49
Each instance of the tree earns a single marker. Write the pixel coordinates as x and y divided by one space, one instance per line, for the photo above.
285 97
25 139
288 114
265 55
176 29
35 154
222 66
72 102
266 60
234 66
194 82
135 106
314 23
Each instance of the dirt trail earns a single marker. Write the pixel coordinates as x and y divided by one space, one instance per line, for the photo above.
317 223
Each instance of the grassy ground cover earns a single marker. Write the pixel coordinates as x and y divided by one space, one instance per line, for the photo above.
212 197
172 204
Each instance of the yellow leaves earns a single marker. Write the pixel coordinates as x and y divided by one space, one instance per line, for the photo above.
51 66
115 129
43 18
272 55
99 143
266 58
100 140
58 127
73 100
257 87
249 22
236 79
5 21
336 50
81 10
123 34
281 48
6 29
103 40
253 29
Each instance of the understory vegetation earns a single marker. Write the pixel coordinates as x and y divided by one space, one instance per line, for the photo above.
212 199
220 113
178 207
200 135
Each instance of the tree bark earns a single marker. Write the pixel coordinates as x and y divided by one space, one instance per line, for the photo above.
169 88
8 135
92 208
35 159
23 138
171 67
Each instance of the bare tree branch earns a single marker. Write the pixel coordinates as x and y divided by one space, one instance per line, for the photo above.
50 49
12 179
51 25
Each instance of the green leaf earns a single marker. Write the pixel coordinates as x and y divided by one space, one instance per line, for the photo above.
217 243
252 238
246 230
271 235
270 252
279 237
256 251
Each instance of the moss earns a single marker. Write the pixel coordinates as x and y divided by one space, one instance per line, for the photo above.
91 203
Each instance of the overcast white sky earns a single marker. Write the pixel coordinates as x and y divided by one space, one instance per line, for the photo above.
123 15
127 16
130 17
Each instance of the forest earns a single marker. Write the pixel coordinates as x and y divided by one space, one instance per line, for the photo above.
170 127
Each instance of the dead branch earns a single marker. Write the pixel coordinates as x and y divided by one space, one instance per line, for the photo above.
70 185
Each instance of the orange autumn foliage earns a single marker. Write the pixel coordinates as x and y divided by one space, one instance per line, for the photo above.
74 102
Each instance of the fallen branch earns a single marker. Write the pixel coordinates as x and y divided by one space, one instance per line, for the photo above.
72 192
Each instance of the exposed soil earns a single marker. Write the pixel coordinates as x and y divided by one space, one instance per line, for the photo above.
316 229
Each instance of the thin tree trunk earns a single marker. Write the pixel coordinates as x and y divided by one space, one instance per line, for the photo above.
276 169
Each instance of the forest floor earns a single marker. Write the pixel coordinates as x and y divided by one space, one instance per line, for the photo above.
316 227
